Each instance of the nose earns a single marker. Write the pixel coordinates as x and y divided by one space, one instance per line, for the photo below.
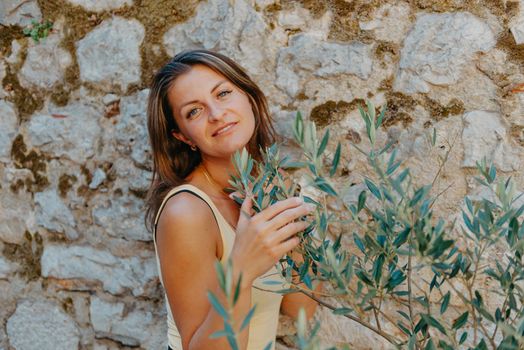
216 111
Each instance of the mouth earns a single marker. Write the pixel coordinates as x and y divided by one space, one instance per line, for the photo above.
224 129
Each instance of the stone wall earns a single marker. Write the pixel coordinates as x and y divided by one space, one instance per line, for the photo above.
77 267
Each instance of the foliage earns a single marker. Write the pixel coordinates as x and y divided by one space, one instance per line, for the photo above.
418 281
231 292
38 30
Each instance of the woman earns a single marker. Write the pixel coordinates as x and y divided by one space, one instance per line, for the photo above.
202 108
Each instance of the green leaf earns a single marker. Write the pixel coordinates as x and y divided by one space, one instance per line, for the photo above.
373 188
445 302
217 306
377 268
325 187
492 173
237 289
298 129
412 342
419 194
219 334
402 237
363 277
444 346
268 346
342 311
469 204
434 323
463 338
361 200
403 314
323 143
247 319
430 345
359 243
220 275
460 321
336 160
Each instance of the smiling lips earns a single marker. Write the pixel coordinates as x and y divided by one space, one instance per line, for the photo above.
224 129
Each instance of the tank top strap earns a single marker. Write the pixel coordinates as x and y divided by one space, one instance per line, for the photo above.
226 231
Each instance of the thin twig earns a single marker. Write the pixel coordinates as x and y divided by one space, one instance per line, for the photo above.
383 334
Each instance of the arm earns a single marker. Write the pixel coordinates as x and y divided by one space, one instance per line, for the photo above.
187 252
261 239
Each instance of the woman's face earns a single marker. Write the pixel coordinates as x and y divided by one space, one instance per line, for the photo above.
211 112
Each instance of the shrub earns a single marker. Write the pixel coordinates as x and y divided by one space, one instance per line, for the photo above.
418 281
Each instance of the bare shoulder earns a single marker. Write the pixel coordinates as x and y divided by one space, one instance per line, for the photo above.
187 219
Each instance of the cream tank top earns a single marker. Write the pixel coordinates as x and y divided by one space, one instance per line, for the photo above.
263 325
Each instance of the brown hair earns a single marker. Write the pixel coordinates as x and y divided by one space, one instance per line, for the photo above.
173 160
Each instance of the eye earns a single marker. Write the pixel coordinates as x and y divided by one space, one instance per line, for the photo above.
224 93
192 112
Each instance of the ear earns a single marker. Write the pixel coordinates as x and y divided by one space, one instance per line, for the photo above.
179 136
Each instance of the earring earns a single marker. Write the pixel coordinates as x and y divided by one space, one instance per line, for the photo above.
193 148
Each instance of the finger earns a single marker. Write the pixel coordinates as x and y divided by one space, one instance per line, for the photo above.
290 215
287 231
273 210
246 211
286 246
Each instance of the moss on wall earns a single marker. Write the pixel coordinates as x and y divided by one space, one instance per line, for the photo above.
65 183
32 160
332 112
27 255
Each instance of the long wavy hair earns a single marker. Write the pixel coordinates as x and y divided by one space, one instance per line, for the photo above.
173 160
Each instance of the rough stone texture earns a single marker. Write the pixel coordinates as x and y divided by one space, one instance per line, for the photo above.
16 48
299 19
231 27
110 54
517 27
101 5
3 72
19 12
113 321
122 217
45 63
46 131
42 325
88 263
9 122
437 49
131 131
308 57
6 268
12 224
98 177
78 181
343 331
484 135
54 215
390 22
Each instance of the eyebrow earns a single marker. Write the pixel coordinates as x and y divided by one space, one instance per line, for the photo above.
213 89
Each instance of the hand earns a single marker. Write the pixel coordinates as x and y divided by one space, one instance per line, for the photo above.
262 239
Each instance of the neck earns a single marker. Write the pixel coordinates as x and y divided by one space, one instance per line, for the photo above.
220 170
